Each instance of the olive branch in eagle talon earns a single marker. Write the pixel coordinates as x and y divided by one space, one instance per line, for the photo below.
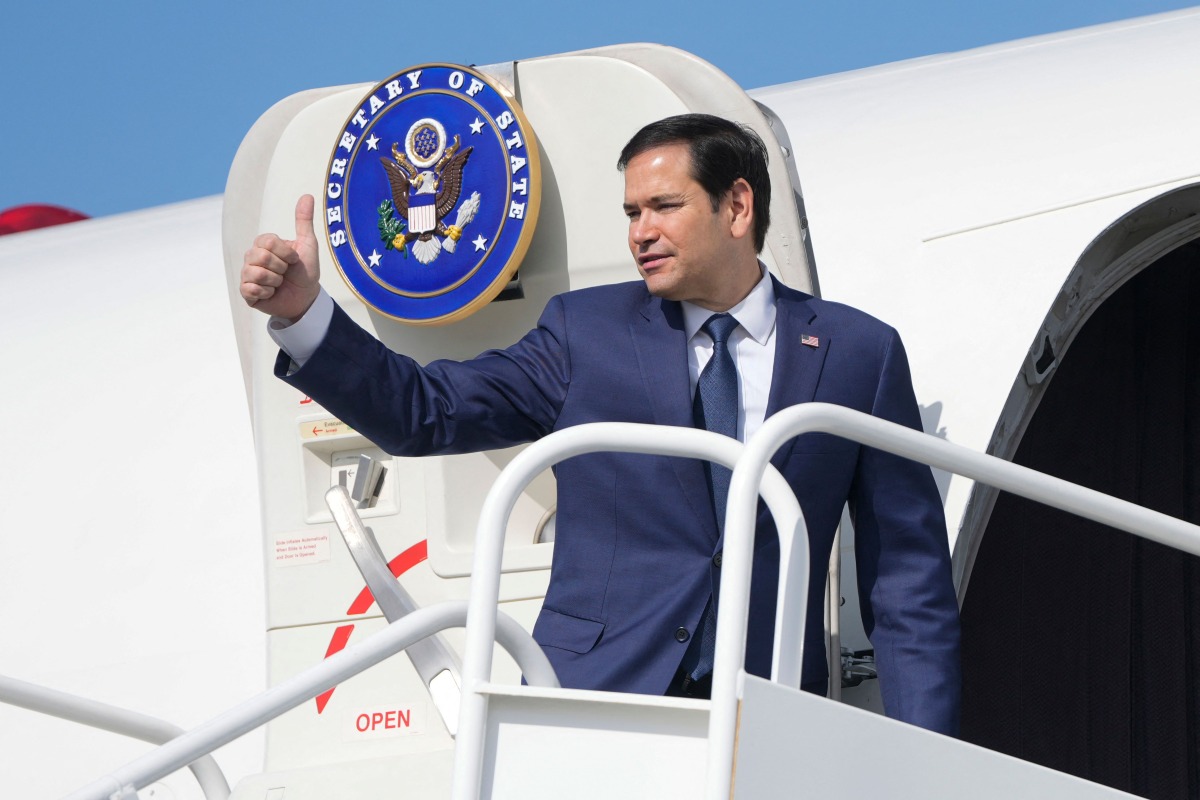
391 230
407 181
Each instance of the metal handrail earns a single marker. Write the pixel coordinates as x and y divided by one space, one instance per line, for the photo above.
113 719
833 621
751 469
896 439
436 664
624 437
496 626
245 717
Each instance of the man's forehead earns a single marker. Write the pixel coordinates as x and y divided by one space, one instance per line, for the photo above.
660 173
675 152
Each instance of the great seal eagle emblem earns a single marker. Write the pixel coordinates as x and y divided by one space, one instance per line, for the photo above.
432 194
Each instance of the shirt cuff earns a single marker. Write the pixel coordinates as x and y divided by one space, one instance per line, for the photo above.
302 338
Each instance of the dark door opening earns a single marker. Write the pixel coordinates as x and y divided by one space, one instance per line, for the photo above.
1081 644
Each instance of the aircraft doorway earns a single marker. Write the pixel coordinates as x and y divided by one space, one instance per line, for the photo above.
1081 644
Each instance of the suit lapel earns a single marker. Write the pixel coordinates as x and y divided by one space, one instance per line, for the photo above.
661 346
798 364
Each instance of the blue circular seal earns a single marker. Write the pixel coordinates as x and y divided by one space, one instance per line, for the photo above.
432 194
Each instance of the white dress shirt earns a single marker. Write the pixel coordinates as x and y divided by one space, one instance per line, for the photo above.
301 340
752 346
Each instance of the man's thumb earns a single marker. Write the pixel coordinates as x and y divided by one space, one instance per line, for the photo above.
304 218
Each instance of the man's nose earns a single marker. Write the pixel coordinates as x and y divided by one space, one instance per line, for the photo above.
642 229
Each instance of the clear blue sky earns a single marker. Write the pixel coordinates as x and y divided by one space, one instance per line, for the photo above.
110 107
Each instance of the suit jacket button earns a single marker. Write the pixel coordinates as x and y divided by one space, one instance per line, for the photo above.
717 560
682 635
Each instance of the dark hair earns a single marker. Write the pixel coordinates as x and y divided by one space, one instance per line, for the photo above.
721 152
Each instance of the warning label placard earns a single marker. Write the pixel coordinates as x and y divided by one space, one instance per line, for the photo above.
300 548
320 428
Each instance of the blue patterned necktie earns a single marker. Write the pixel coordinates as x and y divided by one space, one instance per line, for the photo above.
715 408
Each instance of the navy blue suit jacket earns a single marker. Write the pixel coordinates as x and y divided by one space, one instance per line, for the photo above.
636 535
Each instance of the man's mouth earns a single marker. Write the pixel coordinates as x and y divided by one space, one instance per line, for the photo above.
651 261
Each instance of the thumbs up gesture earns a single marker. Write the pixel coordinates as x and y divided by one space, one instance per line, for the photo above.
280 277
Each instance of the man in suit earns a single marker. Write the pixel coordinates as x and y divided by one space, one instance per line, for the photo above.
638 551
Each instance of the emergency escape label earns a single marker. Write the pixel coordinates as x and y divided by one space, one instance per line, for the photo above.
384 722
321 428
297 549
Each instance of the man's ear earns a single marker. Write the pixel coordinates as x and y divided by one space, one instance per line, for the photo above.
741 207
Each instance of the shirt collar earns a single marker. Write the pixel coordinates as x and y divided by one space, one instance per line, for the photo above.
756 312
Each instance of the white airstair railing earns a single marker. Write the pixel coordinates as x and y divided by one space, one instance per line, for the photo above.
751 468
123 783
113 719
892 438
625 437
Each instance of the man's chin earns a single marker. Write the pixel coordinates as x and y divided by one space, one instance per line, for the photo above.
660 288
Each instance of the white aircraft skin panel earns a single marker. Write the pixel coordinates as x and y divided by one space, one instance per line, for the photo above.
969 342
959 226
991 134
979 140
132 560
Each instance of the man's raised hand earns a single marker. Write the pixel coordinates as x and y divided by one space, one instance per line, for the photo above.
280 276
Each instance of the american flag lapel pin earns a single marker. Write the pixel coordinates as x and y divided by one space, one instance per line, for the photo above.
808 340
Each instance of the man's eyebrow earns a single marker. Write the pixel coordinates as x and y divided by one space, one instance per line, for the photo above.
656 200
